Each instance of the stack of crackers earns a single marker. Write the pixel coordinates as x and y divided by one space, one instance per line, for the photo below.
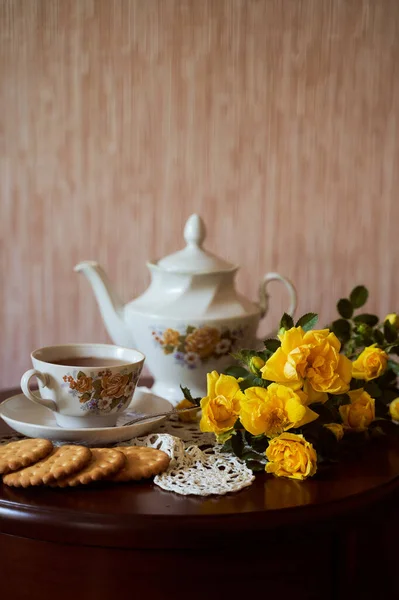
37 462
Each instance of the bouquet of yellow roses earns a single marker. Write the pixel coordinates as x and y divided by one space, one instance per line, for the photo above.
293 404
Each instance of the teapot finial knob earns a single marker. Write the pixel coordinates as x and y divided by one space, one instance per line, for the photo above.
194 231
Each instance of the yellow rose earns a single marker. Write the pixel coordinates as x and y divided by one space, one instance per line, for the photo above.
393 318
202 341
311 360
221 407
336 429
394 409
371 363
114 385
358 415
255 364
170 337
290 455
274 409
188 416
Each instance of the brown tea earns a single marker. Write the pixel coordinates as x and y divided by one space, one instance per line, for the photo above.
89 361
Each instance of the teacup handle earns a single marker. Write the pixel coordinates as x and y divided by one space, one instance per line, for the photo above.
264 296
25 379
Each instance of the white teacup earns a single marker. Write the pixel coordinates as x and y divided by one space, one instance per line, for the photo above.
86 385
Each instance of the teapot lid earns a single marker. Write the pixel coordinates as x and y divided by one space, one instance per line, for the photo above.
193 258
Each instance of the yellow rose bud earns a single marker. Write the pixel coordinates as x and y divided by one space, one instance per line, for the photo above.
393 318
221 407
371 363
336 429
290 455
358 415
394 409
273 410
311 358
188 416
255 364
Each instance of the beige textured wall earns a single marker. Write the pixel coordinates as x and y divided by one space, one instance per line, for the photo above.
276 120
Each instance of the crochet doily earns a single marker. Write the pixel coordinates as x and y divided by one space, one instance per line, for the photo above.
197 465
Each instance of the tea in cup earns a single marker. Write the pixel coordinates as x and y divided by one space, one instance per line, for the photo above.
86 385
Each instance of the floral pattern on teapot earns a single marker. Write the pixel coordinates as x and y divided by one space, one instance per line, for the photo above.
102 391
194 346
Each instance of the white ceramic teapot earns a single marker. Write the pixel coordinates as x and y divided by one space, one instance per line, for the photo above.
190 318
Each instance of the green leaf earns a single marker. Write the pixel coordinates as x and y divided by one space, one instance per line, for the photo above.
328 412
373 389
358 296
255 465
307 321
356 384
378 337
359 341
223 437
390 332
187 394
85 397
253 381
236 371
392 349
371 320
340 399
244 356
342 329
387 379
249 455
168 349
394 366
237 444
258 442
388 395
345 308
190 329
380 427
381 408
323 440
227 446
80 375
272 344
286 322
259 382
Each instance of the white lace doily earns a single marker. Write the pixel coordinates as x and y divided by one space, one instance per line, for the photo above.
197 466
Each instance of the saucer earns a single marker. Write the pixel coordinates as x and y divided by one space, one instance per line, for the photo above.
33 420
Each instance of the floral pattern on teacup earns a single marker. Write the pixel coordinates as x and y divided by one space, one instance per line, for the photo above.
102 391
194 346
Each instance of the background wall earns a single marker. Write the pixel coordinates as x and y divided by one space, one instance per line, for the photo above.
276 120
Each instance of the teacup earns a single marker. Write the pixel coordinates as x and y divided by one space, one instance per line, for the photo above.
86 385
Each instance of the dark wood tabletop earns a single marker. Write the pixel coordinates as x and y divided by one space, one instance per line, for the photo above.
345 508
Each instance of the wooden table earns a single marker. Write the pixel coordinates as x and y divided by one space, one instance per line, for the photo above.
335 536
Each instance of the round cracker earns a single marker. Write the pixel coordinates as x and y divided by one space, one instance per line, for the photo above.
104 463
63 461
142 462
16 455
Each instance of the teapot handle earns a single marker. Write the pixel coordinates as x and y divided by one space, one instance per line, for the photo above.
264 296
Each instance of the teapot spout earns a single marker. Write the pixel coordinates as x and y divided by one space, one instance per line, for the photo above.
111 307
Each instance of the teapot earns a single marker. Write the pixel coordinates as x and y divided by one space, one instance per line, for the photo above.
190 319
